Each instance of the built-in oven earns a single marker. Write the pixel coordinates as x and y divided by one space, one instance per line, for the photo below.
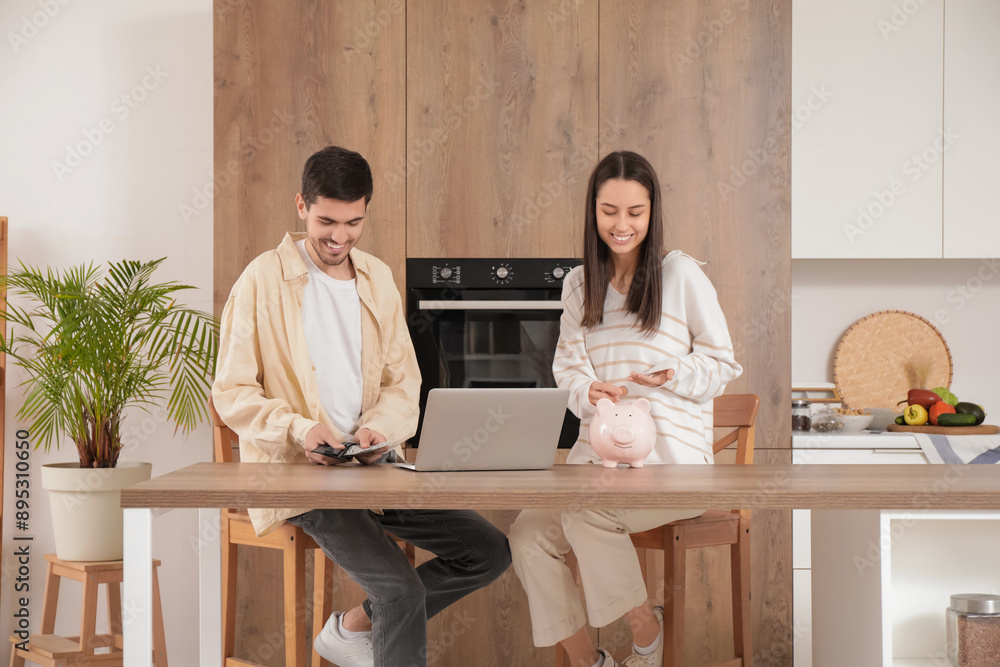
487 323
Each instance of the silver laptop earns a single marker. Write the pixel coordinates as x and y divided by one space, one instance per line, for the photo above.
490 429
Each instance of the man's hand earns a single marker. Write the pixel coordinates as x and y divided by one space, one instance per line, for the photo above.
599 390
319 435
367 437
653 379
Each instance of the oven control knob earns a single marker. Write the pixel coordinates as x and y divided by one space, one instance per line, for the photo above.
445 273
558 273
502 273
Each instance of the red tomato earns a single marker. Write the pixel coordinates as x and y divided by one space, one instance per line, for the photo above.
939 408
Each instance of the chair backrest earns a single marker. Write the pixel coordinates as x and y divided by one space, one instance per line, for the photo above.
738 412
223 437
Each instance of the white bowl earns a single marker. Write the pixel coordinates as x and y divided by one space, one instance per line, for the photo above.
855 423
882 417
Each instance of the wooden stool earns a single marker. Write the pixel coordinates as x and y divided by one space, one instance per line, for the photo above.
51 650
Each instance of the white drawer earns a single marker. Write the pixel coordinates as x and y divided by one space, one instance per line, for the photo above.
845 456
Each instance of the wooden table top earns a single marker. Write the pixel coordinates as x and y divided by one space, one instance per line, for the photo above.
894 486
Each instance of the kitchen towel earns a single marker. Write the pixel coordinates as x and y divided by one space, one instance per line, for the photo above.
959 448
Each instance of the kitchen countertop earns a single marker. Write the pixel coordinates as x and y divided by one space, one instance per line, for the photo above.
856 440
242 485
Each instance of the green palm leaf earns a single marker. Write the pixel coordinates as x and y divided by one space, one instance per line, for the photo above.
93 346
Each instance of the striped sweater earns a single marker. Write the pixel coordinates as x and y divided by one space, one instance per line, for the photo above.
693 340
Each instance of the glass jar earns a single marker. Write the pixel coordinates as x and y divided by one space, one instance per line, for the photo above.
973 630
801 415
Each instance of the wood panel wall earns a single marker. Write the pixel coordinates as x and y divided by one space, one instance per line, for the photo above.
3 370
291 78
703 90
482 121
501 126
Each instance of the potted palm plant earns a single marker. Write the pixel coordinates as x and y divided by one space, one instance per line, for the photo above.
92 347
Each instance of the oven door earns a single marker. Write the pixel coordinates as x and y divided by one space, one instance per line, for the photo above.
495 338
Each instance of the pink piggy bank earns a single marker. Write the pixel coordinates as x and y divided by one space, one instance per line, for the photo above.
622 432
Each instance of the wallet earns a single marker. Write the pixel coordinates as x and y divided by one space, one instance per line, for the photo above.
349 451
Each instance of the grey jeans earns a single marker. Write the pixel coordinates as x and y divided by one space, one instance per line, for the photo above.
470 553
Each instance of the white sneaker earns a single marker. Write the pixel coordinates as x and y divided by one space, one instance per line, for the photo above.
654 659
340 650
608 660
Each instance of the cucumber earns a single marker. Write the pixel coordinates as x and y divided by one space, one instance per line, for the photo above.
971 409
956 420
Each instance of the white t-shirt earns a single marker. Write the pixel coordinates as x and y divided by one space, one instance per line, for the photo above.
331 318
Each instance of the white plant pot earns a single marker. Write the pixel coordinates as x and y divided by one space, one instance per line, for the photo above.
86 507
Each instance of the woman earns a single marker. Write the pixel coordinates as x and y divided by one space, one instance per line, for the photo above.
635 323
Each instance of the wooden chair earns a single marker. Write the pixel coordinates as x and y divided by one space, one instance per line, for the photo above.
293 543
713 528
51 650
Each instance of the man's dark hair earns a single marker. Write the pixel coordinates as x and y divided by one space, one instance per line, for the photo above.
336 173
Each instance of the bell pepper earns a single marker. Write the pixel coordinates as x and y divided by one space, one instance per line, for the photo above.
938 409
915 415
924 397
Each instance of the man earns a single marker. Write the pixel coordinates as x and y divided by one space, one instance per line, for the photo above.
314 348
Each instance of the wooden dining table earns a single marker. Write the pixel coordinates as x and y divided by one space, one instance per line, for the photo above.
212 486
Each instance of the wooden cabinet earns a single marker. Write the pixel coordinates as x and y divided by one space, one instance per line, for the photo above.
700 89
971 109
502 127
894 138
280 97
291 78
482 121
867 127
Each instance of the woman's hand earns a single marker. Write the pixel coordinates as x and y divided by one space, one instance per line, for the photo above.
599 390
653 379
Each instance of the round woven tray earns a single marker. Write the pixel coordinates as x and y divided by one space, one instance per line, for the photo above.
882 356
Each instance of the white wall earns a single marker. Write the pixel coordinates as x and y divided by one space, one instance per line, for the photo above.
127 86
961 297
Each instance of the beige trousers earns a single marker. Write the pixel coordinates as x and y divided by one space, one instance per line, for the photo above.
609 566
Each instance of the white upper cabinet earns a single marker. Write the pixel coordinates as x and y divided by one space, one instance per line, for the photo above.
868 131
972 113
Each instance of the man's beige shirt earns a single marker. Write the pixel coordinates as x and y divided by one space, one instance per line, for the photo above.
265 384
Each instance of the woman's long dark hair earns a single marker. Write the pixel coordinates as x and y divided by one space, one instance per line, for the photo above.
645 295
